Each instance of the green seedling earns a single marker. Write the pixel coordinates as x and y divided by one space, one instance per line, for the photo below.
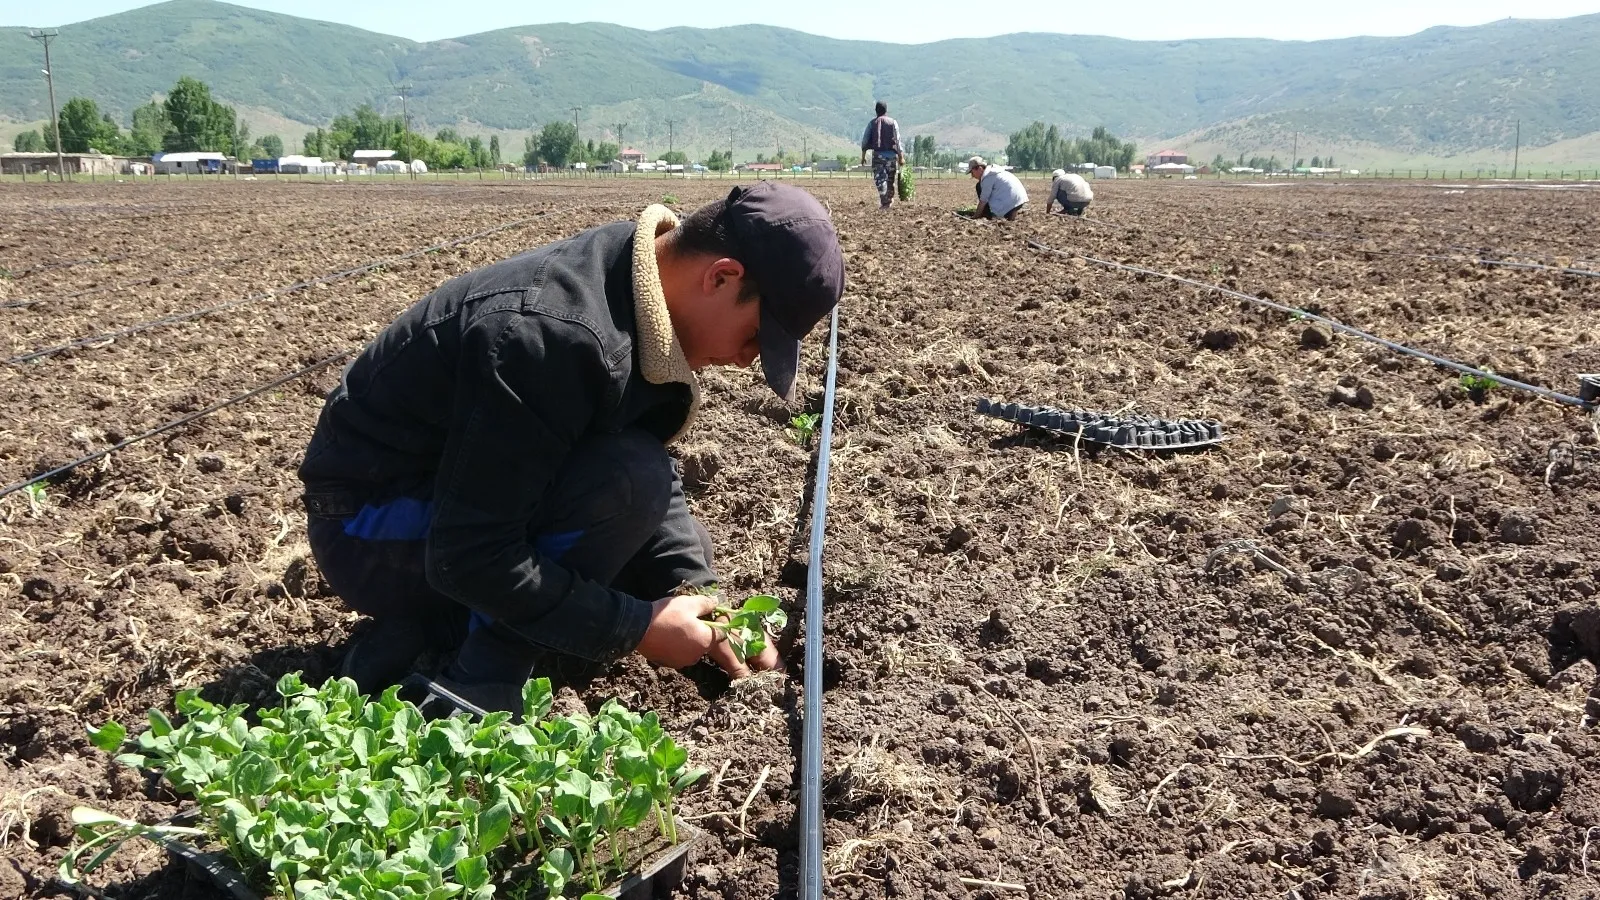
36 496
334 795
669 200
970 210
5 274
1478 384
748 627
803 426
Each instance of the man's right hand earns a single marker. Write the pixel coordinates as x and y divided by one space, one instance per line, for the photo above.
677 636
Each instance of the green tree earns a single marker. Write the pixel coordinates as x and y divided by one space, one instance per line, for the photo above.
559 145
447 135
83 128
272 146
720 160
676 158
606 151
29 142
195 121
1316 162
922 150
150 126
241 140
315 143
494 149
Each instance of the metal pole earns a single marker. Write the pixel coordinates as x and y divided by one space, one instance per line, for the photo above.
43 36
669 135
1516 153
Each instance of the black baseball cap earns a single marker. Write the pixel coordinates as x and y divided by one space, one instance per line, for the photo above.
788 244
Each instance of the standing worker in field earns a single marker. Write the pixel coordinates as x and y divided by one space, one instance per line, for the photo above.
882 141
1071 191
1000 193
490 478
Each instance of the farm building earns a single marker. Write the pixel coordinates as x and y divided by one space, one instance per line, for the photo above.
829 165
305 165
199 162
370 157
1171 169
1165 157
390 166
75 163
631 156
1104 172
760 167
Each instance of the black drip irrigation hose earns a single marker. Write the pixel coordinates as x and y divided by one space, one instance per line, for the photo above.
811 878
68 263
264 295
36 301
1545 393
1464 254
176 423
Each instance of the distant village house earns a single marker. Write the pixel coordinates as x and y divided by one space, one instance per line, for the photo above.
1166 157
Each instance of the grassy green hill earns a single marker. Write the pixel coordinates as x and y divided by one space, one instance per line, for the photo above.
1442 93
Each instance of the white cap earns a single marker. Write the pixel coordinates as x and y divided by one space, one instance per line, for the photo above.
1059 173
977 162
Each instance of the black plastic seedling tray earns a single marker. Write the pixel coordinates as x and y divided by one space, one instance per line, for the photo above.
656 881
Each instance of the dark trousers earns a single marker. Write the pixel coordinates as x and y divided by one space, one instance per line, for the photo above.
1074 209
615 514
885 175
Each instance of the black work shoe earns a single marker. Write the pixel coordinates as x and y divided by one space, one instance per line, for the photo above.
386 652
443 697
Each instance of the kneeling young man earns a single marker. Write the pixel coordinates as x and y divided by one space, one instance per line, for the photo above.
490 478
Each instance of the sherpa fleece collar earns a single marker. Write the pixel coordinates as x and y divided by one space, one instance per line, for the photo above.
661 358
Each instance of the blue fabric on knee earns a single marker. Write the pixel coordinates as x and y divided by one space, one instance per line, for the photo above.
401 519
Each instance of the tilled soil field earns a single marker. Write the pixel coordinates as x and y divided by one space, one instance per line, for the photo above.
1051 671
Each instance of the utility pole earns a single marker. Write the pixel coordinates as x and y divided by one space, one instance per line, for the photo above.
730 149
1294 158
621 144
43 36
1516 155
405 128
669 135
575 111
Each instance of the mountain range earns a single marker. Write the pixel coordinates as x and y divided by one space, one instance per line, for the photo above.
1447 94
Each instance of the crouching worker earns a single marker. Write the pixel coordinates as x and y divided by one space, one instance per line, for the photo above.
490 478
1000 193
1071 191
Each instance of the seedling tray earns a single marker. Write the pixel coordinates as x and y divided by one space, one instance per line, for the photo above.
1126 432
655 881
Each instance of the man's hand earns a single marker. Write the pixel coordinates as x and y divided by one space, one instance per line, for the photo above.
679 637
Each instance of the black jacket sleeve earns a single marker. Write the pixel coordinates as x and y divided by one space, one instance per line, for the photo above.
527 388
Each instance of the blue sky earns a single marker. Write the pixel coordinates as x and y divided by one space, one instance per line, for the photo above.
930 20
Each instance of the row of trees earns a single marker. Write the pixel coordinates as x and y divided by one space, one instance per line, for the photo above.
1044 147
1267 163
366 129
188 119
